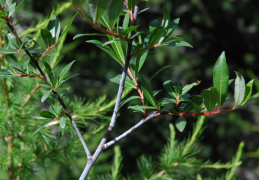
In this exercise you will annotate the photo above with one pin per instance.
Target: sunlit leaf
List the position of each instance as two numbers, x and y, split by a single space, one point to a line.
210 97
248 91
147 92
97 8
221 78
188 87
240 88
128 82
65 71
54 27
180 123
62 122
45 96
115 11
47 37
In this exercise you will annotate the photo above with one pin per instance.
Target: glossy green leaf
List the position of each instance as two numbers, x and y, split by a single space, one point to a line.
104 20
210 97
49 73
176 38
155 35
221 78
174 89
97 8
126 20
154 24
177 44
240 88
160 70
45 96
248 91
147 92
141 59
64 32
110 42
47 37
188 87
140 108
11 9
4 75
42 126
62 122
8 51
65 71
106 49
131 4
129 29
128 99
171 27
128 82
115 11
180 123
90 34
54 27
47 114
165 23
13 61
12 41
117 48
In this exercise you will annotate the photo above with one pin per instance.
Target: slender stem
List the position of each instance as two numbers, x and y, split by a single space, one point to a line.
151 116
114 116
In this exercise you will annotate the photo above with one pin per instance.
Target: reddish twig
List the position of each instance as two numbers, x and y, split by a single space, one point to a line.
47 50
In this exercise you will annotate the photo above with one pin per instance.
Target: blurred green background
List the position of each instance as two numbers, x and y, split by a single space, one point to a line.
224 25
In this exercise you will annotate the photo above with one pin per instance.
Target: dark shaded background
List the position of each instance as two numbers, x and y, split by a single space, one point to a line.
216 26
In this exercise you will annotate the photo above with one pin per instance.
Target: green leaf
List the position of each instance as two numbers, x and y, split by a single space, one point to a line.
90 34
97 8
49 73
47 37
45 96
61 82
128 99
160 70
11 9
248 91
115 11
106 49
67 28
129 29
47 114
147 92
54 27
180 123
174 89
188 87
176 38
131 4
128 82
126 19
165 23
105 20
117 48
177 44
210 97
171 27
240 88
140 59
140 108
42 126
5 75
154 24
155 35
8 51
12 41
221 78
13 61
62 122
65 71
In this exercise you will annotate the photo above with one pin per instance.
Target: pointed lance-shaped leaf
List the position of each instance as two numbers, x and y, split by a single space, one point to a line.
128 82
65 71
12 41
171 27
41 126
180 123
155 35
54 27
49 73
221 78
147 92
115 11
154 24
45 96
248 91
210 97
169 87
106 49
47 37
47 114
117 48
13 61
240 88
97 8
62 122
64 32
